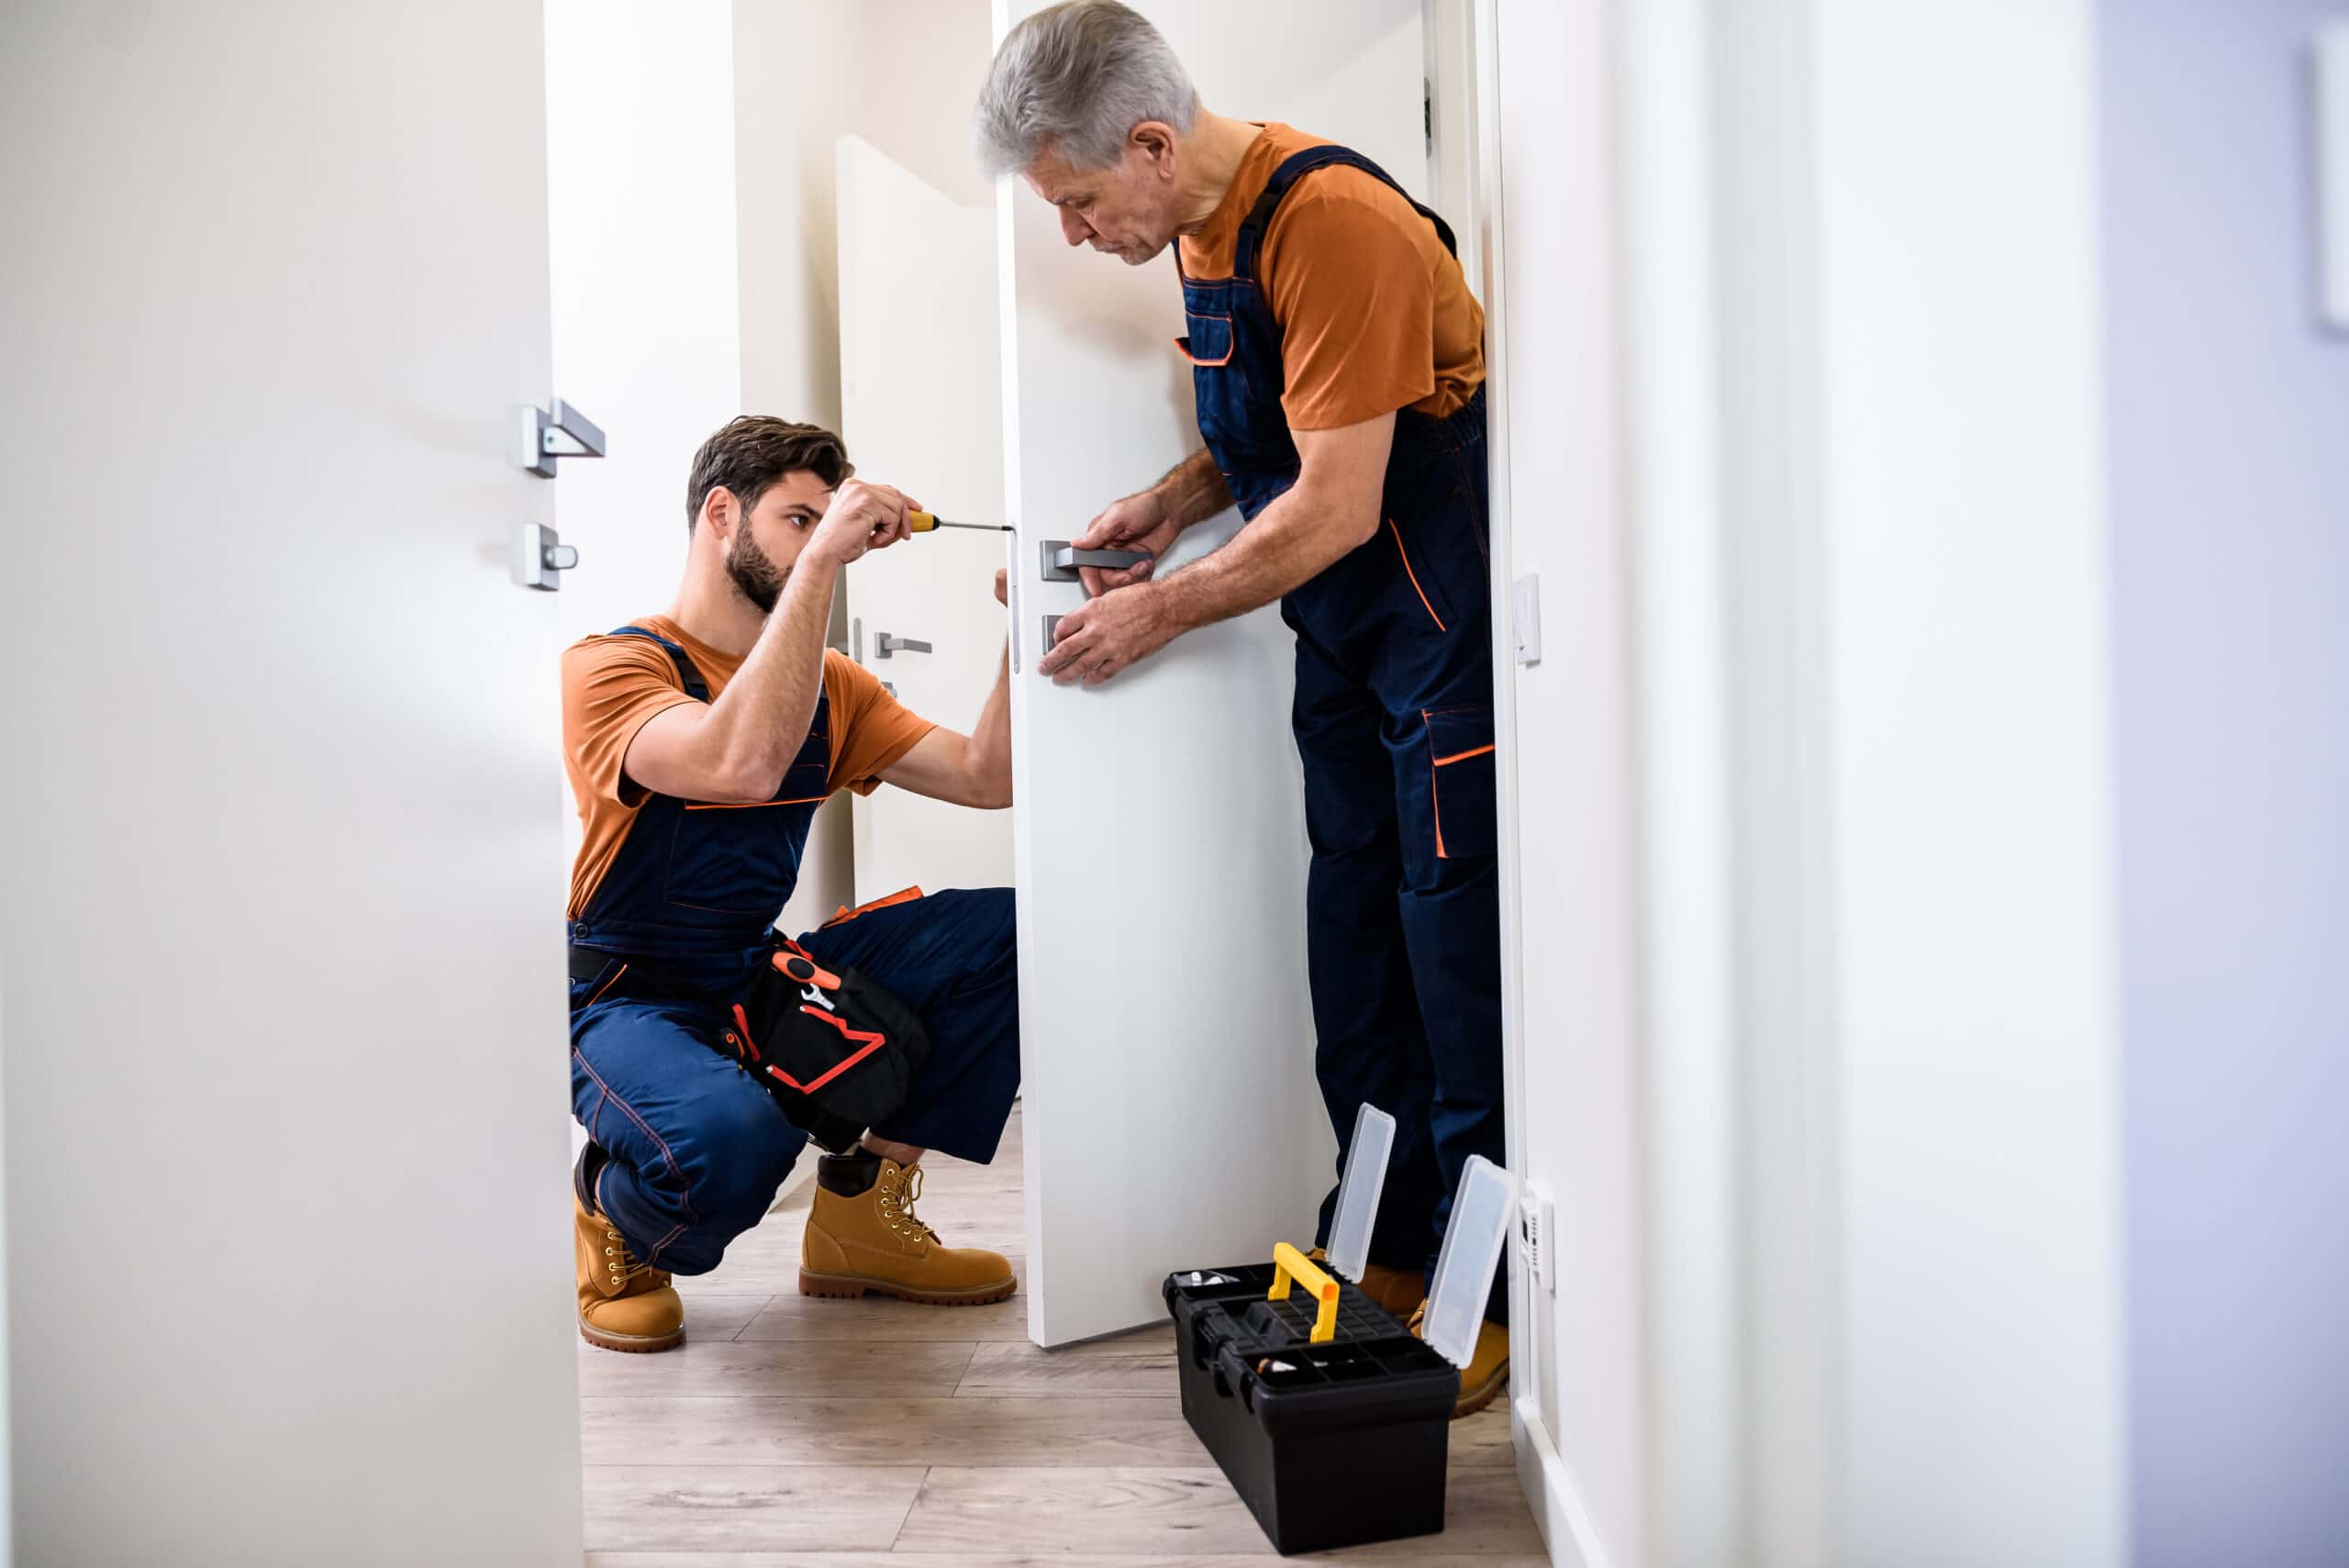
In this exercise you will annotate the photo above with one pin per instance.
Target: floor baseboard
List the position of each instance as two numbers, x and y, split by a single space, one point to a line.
1558 1510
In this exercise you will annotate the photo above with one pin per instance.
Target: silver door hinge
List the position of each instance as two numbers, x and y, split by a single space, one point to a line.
541 436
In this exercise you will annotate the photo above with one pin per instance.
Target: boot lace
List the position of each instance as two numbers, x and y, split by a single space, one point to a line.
898 1207
620 1267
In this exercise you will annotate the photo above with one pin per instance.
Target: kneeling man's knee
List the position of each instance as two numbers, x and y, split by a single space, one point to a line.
746 1147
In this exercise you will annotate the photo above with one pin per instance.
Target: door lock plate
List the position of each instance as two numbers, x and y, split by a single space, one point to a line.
539 557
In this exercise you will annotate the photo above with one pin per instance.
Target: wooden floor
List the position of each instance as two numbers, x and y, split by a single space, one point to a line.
792 1432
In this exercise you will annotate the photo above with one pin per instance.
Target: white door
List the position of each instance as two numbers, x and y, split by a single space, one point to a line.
279 818
1159 832
921 408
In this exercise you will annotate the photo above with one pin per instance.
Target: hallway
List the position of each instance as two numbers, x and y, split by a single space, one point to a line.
791 1432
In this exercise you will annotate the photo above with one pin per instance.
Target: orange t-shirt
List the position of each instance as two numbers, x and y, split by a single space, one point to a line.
611 685
1374 313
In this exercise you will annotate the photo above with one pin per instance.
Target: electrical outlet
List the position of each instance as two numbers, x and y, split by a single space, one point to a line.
1537 1220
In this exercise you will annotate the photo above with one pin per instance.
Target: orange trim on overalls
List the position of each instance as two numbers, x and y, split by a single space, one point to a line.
1435 796
903 896
1414 576
1231 342
1435 810
608 986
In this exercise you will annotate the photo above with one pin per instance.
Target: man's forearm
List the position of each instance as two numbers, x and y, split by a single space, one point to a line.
1194 489
1289 543
762 717
990 754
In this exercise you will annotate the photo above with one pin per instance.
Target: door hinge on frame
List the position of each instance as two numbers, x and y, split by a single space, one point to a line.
542 436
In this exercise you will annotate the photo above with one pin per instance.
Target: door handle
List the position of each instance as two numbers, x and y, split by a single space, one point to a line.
540 555
884 644
541 436
1060 560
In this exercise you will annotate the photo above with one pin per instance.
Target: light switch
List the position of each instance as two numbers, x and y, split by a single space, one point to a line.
1526 619
1537 1220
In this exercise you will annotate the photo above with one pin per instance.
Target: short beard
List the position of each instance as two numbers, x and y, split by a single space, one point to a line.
758 577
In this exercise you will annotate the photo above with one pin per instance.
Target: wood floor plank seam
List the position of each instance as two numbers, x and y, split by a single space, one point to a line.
910 1506
751 1318
913 1503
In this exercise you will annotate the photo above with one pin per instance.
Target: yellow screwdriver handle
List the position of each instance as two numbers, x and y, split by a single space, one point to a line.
1288 1263
920 522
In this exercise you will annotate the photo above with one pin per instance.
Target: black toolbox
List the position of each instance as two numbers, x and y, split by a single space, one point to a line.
1329 1444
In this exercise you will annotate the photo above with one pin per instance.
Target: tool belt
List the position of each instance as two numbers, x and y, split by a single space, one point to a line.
835 1049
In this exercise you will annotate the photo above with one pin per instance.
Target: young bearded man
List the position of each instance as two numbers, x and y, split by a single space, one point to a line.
699 742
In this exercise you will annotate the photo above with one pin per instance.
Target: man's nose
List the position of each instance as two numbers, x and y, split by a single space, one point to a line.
1074 229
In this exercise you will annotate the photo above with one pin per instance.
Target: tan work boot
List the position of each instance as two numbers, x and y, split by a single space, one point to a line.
1486 1371
623 1305
1397 1291
862 1234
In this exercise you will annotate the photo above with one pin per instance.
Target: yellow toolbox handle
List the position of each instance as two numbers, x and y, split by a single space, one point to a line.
1288 1263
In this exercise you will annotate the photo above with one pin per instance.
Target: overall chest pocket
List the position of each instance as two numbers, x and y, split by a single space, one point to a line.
743 860
1208 344
1236 381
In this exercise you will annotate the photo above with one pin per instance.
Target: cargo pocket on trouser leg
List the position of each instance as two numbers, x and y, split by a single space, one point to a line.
1462 783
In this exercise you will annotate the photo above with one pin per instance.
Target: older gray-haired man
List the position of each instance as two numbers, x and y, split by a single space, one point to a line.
1338 371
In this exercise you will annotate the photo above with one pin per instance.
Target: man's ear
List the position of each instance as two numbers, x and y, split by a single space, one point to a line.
1156 142
719 511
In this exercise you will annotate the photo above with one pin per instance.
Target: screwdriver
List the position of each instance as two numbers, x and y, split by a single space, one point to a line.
922 522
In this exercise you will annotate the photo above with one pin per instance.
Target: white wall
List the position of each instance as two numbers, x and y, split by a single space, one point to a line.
7 1458
1969 725
641 192
1818 1037
2230 635
640 195
1577 1368
902 74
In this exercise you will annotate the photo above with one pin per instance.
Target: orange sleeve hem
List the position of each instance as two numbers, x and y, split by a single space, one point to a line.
630 793
887 758
870 728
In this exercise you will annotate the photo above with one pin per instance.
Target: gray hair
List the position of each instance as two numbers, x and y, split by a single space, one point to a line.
1077 76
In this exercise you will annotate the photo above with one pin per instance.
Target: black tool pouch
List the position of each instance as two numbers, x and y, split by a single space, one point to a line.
837 1051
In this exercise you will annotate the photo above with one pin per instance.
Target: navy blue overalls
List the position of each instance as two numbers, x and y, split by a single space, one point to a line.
680 922
1394 724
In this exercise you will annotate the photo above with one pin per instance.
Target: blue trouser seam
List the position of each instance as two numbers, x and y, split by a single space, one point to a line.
684 1187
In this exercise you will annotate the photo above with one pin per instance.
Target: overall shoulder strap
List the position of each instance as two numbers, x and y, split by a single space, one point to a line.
696 687
1295 167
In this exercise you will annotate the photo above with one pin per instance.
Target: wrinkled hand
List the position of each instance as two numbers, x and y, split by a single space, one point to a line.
862 517
1104 636
1002 589
1137 522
